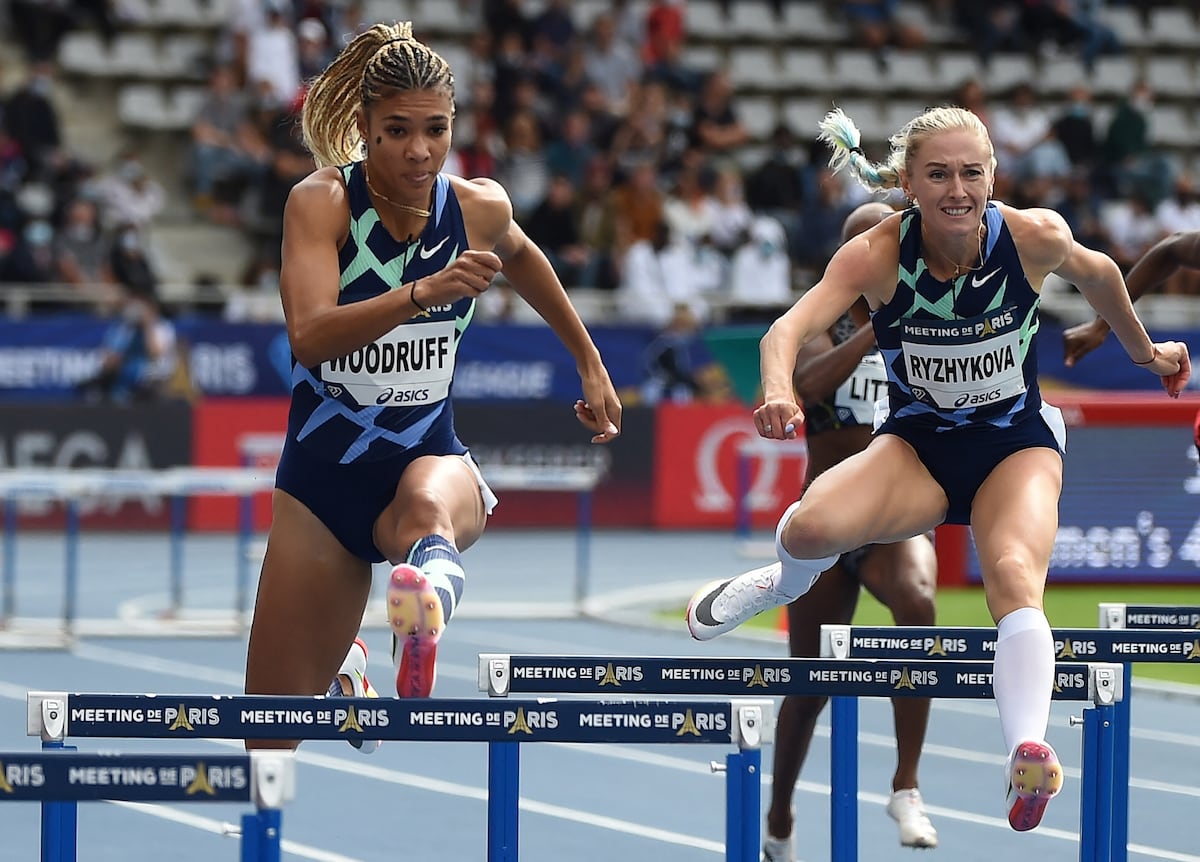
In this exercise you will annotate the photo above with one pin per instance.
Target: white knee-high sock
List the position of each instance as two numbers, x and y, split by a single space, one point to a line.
796 577
1023 675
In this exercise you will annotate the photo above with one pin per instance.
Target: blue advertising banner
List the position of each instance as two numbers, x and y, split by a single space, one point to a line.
44 358
1129 509
1108 367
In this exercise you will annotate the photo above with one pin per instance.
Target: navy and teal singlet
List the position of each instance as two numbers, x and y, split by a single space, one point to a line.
388 397
960 353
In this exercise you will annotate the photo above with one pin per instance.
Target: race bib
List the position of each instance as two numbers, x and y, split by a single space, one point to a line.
959 364
855 399
411 365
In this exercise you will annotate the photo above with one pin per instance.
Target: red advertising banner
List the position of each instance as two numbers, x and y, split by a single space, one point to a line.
710 463
221 428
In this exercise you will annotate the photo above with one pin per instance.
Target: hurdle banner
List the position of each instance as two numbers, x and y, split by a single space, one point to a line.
1116 615
500 675
844 681
60 777
747 723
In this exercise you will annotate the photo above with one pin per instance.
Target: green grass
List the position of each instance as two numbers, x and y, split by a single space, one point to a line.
1066 606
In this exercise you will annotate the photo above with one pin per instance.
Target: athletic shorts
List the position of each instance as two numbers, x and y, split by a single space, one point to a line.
960 460
349 498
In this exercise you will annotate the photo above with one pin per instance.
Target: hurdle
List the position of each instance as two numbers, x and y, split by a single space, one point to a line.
746 723
1126 617
1116 645
59 777
845 681
72 488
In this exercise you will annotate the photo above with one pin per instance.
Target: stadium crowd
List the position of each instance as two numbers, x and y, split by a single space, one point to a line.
631 166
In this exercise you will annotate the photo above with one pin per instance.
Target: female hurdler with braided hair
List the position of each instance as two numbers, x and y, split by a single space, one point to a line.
383 259
952 285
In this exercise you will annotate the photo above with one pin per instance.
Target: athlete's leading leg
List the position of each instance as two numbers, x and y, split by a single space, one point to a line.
437 512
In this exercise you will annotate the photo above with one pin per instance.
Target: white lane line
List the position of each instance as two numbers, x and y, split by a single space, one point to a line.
205 824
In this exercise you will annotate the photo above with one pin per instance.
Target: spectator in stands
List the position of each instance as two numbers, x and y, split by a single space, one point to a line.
570 152
664 31
273 56
1072 25
522 168
138 356
690 209
1130 164
1075 128
732 217
642 132
657 275
32 119
1018 126
715 124
554 26
760 273
553 227
609 64
596 215
504 17
39 26
776 186
313 51
289 162
1131 228
823 218
228 150
129 195
972 95
878 25
992 27
83 249
32 259
1180 212
639 202
130 263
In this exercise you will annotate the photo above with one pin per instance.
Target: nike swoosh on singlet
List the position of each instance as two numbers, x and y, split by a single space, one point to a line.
976 281
704 609
427 253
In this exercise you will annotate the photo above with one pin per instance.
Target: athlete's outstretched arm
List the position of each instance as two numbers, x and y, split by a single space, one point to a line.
534 279
1164 259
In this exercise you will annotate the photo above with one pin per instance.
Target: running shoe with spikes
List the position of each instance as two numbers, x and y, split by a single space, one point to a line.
720 606
907 808
415 615
352 682
1034 777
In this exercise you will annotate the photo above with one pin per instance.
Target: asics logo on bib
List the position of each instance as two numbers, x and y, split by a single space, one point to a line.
384 357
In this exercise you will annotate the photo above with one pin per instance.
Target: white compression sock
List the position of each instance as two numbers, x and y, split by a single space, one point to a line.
797 576
1023 675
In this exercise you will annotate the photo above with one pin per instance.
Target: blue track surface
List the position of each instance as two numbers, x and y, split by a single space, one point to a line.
653 803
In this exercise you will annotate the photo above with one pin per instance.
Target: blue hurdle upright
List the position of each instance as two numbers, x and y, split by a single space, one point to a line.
1143 618
747 723
843 680
1116 645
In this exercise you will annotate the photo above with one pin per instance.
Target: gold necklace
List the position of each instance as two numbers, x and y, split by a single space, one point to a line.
417 211
959 269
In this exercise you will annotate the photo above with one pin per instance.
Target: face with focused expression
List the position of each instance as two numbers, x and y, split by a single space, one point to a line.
408 137
950 177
